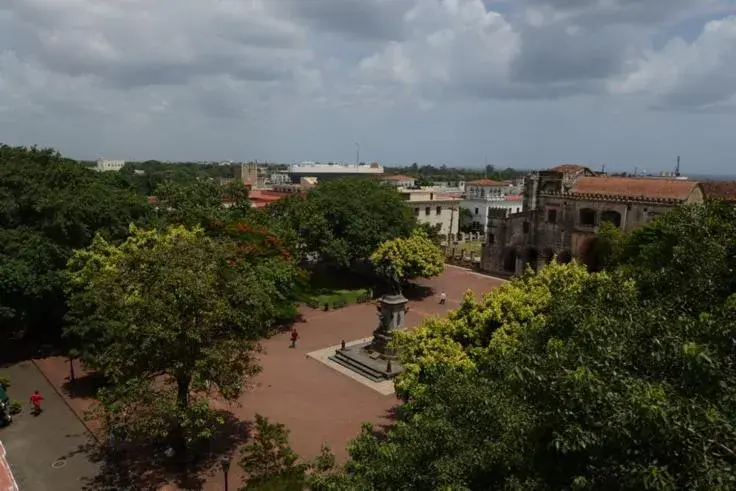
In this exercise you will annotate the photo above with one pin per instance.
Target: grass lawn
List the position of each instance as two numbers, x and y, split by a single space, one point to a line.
320 290
468 247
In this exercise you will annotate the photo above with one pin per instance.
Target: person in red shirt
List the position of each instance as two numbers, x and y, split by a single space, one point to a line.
294 337
36 399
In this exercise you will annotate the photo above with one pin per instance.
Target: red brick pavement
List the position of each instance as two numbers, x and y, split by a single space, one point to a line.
317 403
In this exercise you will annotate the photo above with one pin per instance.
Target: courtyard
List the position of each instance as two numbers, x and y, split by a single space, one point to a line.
317 403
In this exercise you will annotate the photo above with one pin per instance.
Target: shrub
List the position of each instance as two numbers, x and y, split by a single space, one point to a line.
4 381
15 407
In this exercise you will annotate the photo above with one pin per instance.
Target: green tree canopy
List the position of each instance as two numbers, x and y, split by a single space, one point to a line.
416 256
343 221
168 317
49 206
567 379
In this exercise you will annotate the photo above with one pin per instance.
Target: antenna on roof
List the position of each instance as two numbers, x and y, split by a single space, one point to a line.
677 168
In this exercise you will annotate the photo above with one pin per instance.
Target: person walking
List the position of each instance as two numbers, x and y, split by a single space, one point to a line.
36 399
443 297
294 337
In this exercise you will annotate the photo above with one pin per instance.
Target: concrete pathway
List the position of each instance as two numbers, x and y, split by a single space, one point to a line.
46 453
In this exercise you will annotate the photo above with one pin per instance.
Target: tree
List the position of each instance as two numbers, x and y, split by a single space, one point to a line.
169 317
49 206
401 259
200 203
563 379
344 220
271 465
686 258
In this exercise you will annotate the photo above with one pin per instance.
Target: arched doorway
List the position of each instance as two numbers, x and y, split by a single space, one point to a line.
509 260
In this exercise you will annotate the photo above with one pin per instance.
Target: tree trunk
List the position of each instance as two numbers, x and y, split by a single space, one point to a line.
182 402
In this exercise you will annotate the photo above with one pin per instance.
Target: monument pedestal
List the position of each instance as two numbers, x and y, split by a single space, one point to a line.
376 360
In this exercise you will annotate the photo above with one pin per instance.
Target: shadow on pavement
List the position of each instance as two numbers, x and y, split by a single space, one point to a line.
143 464
84 387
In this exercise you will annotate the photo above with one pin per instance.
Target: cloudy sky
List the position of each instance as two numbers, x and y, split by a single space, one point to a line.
522 83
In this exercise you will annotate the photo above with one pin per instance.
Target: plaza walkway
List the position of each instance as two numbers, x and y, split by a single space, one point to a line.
45 452
317 403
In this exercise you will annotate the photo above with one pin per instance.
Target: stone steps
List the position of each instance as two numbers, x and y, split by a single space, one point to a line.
344 359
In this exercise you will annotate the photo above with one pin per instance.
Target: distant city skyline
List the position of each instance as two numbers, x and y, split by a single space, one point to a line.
526 84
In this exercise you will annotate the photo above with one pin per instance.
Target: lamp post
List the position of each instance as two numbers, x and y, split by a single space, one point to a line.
225 463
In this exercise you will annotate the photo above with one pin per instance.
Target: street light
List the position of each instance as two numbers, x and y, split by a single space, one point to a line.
225 463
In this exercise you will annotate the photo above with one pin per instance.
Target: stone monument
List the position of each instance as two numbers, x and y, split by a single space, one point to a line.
376 359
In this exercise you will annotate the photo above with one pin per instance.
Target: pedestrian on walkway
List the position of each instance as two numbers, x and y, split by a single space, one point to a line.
36 399
294 337
443 297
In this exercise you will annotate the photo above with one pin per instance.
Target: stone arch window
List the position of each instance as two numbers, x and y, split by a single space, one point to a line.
611 216
587 217
509 260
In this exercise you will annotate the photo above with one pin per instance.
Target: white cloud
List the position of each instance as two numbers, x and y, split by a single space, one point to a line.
412 79
682 75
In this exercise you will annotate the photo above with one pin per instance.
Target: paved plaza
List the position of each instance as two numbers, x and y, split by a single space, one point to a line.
315 401
45 452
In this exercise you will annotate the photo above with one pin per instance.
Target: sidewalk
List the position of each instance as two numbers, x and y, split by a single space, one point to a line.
46 452
7 480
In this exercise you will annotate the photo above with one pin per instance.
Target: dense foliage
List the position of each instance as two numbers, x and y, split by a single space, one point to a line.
415 256
427 175
568 379
50 206
169 317
344 220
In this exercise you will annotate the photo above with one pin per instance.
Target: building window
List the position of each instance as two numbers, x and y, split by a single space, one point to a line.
426 211
416 211
587 217
611 216
476 211
439 210
552 216
491 239
526 227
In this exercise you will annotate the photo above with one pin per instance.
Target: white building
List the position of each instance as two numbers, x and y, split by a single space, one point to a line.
330 171
104 165
484 195
434 209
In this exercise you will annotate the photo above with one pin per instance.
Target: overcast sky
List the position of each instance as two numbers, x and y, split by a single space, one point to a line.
523 83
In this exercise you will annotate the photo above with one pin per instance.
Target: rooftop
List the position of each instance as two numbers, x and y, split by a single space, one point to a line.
485 182
634 187
725 190
569 168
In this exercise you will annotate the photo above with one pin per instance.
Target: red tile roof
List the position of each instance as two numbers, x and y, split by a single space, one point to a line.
725 190
569 168
634 187
485 182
